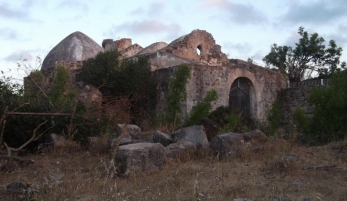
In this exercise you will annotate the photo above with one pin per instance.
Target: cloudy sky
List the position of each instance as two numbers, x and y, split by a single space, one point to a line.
244 28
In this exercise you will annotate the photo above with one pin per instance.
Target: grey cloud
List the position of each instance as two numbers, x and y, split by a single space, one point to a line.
7 12
27 54
293 38
317 12
156 7
237 13
75 5
145 27
8 34
339 36
246 14
139 10
153 9
241 48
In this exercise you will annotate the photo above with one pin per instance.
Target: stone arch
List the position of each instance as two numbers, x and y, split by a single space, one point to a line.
242 85
242 95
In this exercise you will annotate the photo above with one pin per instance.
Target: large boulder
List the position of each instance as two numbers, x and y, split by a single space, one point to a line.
195 134
140 158
179 149
128 130
212 128
118 140
228 144
162 138
255 137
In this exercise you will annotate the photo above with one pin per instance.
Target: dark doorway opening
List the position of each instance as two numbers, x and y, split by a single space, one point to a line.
241 95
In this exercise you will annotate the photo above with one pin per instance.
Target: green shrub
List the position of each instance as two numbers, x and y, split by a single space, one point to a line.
274 117
202 109
62 93
330 109
176 94
232 119
122 79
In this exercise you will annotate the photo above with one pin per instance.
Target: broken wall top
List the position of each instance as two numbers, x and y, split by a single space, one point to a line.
198 40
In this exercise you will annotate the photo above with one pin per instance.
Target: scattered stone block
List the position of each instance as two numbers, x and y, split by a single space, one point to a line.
255 137
195 134
228 144
120 140
162 138
128 130
140 158
179 149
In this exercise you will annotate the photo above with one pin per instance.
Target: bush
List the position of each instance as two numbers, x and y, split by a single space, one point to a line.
330 109
176 94
62 93
274 117
202 109
232 119
122 79
328 122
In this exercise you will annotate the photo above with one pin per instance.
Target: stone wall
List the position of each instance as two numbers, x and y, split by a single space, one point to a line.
267 84
297 96
160 60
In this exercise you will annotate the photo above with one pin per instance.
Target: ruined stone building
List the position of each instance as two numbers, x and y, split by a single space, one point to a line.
238 83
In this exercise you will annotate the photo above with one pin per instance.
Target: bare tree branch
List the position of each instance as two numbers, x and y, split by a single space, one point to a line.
33 137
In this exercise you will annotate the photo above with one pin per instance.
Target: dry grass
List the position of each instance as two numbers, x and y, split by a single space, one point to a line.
284 171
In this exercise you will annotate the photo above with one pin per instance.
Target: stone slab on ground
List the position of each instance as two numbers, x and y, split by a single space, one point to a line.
140 158
228 144
195 134
128 129
179 149
162 138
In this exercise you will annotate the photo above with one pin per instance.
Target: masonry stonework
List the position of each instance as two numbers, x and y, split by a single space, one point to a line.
210 69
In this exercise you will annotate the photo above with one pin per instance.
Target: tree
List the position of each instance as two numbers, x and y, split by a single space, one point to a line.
62 93
115 76
177 93
308 55
125 80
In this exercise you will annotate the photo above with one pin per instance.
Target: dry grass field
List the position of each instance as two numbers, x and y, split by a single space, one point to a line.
283 171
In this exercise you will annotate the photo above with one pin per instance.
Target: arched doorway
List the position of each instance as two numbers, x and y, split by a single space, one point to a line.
242 95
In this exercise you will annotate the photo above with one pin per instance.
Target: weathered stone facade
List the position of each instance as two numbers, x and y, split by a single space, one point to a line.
296 96
210 69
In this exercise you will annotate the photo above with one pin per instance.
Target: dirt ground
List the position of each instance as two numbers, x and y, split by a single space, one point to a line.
283 171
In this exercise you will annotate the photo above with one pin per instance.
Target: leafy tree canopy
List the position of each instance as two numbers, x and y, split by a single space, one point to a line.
115 76
309 54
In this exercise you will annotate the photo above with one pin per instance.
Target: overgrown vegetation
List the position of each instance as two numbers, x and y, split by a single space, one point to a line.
201 109
232 119
274 117
126 80
176 94
328 122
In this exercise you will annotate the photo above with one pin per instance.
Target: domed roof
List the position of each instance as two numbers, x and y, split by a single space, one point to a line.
75 47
